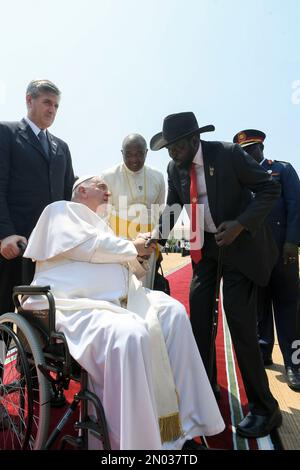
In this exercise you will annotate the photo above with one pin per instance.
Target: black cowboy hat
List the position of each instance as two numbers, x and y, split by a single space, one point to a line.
176 127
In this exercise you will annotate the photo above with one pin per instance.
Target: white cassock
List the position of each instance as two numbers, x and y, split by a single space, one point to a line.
135 200
86 267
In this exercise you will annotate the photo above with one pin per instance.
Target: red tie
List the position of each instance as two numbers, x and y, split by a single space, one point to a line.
196 255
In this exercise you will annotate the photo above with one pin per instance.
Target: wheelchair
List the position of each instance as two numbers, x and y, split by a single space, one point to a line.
34 359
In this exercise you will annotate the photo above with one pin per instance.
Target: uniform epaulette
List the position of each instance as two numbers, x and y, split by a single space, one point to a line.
270 162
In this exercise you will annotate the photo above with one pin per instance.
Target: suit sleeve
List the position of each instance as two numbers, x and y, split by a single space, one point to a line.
6 225
291 196
69 176
266 190
172 210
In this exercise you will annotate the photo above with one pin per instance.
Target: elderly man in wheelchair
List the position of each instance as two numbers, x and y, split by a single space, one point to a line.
143 384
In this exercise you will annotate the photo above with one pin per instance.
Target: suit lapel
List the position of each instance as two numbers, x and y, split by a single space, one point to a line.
210 170
27 133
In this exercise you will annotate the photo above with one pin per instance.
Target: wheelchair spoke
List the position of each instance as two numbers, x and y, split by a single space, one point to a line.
22 387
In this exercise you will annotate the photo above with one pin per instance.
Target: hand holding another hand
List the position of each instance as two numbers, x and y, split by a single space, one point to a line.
142 249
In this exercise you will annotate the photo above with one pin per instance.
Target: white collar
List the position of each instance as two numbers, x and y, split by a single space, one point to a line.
134 173
34 127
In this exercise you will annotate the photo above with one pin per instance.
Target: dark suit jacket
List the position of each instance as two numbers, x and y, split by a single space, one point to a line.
231 177
28 180
284 219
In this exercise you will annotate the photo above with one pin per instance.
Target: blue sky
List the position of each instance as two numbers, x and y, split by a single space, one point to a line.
123 65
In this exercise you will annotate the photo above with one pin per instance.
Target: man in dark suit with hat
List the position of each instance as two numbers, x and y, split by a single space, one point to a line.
281 295
35 170
222 177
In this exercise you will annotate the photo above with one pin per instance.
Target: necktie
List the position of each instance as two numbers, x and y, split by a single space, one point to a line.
196 254
44 142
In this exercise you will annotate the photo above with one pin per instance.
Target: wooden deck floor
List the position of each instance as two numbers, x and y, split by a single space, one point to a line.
289 401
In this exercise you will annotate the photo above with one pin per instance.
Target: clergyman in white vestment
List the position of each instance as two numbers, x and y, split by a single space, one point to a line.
136 345
138 195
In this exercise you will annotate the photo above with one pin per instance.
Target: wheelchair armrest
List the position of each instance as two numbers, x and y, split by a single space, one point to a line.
31 290
37 290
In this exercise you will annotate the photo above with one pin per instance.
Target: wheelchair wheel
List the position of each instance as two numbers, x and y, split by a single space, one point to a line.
24 390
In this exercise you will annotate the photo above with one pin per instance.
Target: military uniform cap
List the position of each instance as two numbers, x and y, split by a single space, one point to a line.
249 137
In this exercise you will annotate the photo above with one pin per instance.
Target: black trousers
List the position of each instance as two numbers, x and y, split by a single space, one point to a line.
240 305
281 299
15 272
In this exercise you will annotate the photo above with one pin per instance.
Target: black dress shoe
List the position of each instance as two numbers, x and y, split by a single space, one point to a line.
293 378
258 425
193 445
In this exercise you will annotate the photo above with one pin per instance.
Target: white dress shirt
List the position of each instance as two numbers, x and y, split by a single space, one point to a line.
35 128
